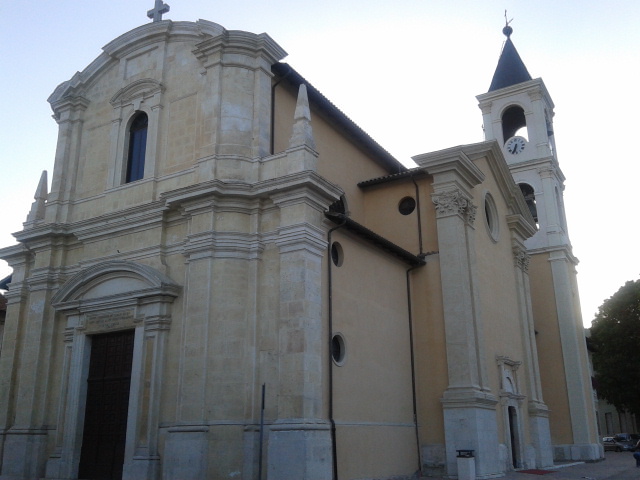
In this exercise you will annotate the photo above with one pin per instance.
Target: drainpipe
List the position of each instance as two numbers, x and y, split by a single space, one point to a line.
273 108
334 449
410 317
413 368
418 212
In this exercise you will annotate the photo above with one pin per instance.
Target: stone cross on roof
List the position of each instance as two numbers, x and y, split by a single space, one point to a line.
156 12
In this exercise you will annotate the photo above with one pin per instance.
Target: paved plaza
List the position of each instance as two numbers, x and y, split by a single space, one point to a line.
616 466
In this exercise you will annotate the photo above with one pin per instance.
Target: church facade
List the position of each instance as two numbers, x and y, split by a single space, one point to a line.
228 278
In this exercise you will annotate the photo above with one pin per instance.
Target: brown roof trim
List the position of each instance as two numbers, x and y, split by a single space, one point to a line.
414 172
375 239
368 144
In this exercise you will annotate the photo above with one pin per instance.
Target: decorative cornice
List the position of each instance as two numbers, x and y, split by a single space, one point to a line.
301 237
538 409
524 87
69 108
287 188
521 228
548 171
468 398
452 165
557 253
504 360
507 397
243 45
223 245
44 279
156 323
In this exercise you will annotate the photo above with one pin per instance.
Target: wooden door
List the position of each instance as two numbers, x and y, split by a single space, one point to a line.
105 421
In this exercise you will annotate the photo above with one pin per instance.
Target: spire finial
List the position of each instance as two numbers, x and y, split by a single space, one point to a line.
37 207
302 132
507 30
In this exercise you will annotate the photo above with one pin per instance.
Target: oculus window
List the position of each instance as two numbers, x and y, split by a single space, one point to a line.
491 217
337 255
338 349
137 147
407 205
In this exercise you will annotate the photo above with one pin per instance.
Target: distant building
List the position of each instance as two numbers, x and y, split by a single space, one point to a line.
216 225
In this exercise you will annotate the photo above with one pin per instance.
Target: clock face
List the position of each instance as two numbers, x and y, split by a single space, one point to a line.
515 145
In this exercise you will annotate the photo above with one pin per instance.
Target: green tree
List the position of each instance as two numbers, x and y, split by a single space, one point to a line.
615 341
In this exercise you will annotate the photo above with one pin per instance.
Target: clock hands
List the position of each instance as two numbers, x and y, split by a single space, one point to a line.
515 146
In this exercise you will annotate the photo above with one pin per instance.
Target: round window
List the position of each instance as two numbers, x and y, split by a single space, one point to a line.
407 205
337 255
491 217
338 351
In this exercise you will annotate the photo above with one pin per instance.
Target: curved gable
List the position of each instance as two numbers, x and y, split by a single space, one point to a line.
136 39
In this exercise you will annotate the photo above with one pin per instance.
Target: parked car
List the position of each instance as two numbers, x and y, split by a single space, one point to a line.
612 444
626 439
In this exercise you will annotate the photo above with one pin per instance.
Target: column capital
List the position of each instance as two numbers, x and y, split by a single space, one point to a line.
454 202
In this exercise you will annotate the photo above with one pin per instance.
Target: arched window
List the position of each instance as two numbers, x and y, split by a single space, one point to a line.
514 122
137 147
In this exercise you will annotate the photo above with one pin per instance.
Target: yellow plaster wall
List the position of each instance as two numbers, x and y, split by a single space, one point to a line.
549 348
430 349
372 389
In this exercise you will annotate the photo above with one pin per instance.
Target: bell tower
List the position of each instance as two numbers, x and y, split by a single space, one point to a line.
518 113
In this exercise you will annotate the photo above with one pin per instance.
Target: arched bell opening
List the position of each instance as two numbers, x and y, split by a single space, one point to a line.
514 123
530 198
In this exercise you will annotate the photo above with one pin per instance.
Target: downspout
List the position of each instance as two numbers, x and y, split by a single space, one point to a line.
418 212
413 368
334 449
273 109
410 317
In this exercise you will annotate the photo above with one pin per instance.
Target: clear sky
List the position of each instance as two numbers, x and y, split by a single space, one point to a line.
406 71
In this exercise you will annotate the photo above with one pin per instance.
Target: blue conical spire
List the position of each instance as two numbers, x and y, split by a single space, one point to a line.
511 69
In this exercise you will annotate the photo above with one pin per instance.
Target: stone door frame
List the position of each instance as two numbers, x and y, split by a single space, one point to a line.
105 298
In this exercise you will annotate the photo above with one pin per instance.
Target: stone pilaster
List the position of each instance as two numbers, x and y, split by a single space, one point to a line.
575 362
300 438
69 113
469 408
11 442
24 450
538 412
